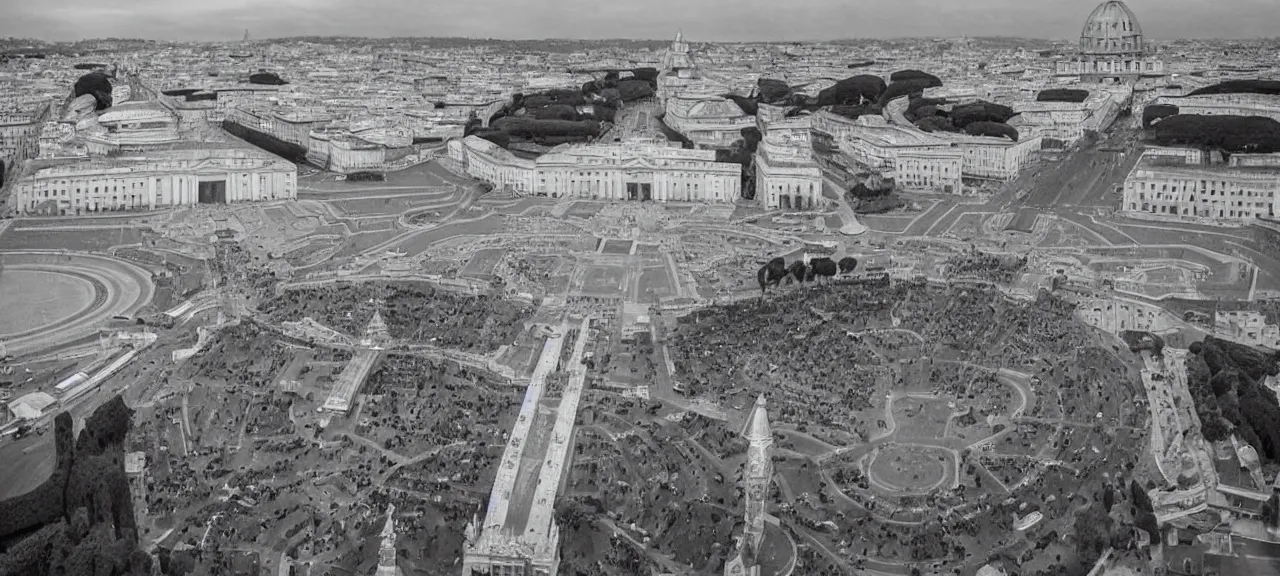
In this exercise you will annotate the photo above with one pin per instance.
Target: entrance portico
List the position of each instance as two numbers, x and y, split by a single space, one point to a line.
639 185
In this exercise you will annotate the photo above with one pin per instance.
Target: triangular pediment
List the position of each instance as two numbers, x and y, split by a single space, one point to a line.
639 162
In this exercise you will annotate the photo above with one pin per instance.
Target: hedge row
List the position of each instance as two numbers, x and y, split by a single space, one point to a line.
1228 133
992 129
1062 95
911 74
1155 112
528 127
915 86
1240 87
852 91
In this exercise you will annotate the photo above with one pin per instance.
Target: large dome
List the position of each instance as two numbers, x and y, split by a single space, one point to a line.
1112 28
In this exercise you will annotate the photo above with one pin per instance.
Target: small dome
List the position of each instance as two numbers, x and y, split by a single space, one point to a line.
1111 28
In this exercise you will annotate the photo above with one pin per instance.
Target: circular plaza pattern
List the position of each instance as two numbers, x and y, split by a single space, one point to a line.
908 469
52 298
36 298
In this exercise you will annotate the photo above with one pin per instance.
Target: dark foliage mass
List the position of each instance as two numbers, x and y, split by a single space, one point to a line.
88 66
97 84
853 91
772 273
1146 518
80 521
992 129
853 112
742 153
798 271
566 115
920 107
1228 133
911 74
555 112
923 112
771 91
1062 95
861 191
1253 86
1156 112
266 78
603 113
874 196
823 267
907 88
632 90
502 139
980 111
880 205
552 97
674 135
287 150
1139 341
1226 381
936 124
848 264
646 74
531 128
747 105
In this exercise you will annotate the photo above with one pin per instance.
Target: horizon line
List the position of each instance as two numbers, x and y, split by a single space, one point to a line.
612 39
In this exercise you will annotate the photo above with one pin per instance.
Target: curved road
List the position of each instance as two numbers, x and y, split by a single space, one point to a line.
124 288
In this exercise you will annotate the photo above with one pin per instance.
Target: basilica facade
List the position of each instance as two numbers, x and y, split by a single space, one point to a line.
787 177
633 170
203 173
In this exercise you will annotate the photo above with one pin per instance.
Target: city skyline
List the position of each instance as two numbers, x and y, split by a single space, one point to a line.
705 20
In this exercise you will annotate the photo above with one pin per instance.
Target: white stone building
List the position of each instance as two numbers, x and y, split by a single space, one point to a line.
194 173
19 136
632 170
1069 121
915 159
233 97
133 126
787 177
1247 327
992 158
707 120
1169 187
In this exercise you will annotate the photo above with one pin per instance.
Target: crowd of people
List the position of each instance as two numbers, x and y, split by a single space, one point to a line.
808 352
413 311
998 268
414 403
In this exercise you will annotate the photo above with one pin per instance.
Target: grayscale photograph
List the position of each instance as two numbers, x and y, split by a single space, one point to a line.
643 288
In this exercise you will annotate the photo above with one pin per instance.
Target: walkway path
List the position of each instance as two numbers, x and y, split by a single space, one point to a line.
851 225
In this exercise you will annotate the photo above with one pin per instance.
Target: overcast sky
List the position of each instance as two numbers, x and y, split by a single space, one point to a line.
709 20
